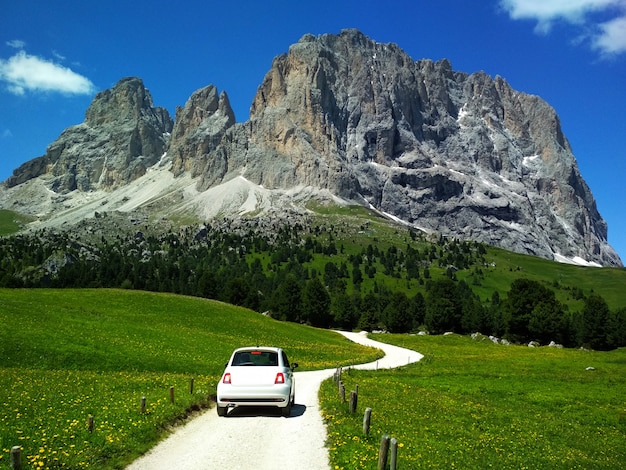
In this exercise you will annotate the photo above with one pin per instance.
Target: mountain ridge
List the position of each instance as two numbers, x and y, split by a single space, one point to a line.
459 154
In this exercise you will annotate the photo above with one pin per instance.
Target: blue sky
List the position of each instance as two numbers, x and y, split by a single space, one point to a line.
54 57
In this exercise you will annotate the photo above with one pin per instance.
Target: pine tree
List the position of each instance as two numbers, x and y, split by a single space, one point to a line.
595 320
443 307
316 304
288 305
397 314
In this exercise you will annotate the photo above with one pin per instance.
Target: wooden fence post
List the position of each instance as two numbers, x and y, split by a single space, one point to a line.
337 375
16 458
191 386
172 394
382 454
342 392
354 398
143 405
367 419
90 423
394 454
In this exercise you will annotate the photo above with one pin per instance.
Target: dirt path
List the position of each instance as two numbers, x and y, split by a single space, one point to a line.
258 438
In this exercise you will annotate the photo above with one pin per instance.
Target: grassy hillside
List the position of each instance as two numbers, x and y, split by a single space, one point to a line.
362 270
474 405
351 230
67 354
562 278
11 222
355 227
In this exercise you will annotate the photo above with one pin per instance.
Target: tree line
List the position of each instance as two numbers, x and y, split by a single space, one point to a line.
283 275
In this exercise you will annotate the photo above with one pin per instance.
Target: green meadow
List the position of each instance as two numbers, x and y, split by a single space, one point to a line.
474 405
69 354
11 222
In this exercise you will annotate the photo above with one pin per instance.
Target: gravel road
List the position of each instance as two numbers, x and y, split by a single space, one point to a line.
258 438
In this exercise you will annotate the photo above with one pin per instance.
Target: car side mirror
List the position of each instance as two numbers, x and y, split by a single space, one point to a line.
294 365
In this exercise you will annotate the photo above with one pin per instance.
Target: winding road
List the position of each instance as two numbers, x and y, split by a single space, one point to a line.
261 439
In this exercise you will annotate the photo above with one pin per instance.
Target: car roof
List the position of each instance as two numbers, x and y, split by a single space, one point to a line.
258 348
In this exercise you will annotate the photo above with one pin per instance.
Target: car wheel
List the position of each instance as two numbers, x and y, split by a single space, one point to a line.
287 410
222 410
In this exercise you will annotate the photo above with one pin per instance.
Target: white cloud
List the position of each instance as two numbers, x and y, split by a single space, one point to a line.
550 10
612 39
58 56
16 44
6 133
609 38
24 72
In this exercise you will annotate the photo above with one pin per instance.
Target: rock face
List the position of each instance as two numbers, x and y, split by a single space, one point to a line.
199 129
123 134
463 155
460 154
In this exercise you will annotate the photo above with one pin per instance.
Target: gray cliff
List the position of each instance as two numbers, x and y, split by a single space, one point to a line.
123 134
198 130
463 155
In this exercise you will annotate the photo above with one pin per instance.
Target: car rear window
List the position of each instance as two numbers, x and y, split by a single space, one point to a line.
255 358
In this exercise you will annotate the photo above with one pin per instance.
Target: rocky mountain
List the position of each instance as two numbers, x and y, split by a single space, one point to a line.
122 136
459 154
198 131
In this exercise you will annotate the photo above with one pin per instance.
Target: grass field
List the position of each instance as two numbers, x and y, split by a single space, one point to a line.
69 354
353 228
66 355
356 227
560 277
11 222
477 405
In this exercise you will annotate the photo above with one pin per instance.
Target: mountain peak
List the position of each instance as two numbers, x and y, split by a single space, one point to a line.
126 101
459 154
123 134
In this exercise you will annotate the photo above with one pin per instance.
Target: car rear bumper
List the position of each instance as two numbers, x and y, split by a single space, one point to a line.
279 402
240 396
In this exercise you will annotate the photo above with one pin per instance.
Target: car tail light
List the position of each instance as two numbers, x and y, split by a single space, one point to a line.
226 379
280 378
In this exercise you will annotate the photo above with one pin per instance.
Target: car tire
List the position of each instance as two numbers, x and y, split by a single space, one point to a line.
222 410
287 410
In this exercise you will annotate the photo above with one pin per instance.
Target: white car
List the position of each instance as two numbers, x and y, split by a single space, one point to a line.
257 376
